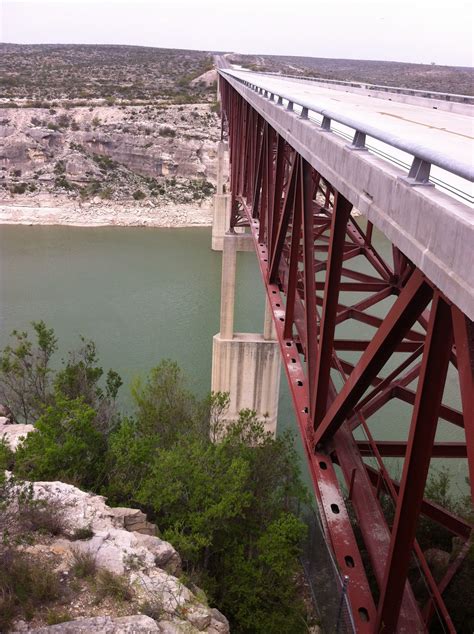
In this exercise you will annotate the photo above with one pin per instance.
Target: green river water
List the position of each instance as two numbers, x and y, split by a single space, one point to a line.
144 294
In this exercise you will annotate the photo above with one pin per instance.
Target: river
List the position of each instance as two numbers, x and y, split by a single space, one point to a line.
146 294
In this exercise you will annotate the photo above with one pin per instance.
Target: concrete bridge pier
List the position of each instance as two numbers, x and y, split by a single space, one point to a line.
247 365
221 217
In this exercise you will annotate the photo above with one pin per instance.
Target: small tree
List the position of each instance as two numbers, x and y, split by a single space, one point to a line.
25 372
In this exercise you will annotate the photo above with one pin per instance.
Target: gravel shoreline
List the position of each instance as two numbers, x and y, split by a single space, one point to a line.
104 215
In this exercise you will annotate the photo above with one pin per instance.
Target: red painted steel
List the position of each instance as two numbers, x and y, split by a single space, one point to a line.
310 250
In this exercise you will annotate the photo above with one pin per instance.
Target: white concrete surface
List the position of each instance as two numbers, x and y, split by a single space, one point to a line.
247 366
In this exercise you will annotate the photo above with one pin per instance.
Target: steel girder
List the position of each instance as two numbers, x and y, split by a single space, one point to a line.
309 248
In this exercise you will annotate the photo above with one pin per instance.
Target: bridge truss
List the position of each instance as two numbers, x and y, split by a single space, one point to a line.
310 248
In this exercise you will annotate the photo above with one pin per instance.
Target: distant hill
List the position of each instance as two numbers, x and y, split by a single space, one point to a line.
73 71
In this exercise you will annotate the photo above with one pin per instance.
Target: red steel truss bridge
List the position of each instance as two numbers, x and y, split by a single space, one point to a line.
299 169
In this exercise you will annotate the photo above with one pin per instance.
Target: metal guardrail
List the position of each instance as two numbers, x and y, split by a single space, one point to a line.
328 588
424 156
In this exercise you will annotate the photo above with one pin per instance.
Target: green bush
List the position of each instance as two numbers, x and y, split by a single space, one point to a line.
228 507
66 446
139 195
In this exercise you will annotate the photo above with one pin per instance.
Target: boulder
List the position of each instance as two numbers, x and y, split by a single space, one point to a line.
13 434
101 625
438 562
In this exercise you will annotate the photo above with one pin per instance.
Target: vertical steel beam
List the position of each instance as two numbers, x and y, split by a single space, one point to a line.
415 468
306 188
464 340
340 215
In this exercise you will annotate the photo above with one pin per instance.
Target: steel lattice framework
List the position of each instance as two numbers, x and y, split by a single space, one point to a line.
308 245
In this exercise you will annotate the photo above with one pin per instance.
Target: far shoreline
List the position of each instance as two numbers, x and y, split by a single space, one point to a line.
170 216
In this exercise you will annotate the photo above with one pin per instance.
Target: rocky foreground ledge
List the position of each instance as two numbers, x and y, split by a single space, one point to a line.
120 541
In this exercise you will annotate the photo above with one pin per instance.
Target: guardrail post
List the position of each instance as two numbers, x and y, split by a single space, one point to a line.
326 123
358 142
419 173
304 113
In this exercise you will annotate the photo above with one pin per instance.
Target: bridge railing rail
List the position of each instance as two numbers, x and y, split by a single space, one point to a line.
328 588
423 157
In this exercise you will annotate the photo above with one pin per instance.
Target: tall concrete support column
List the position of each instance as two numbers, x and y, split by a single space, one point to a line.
221 217
246 365
229 269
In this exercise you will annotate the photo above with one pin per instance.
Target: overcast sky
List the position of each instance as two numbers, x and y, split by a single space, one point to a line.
401 30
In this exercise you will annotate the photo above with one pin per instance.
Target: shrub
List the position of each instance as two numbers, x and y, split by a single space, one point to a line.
104 162
60 168
153 608
84 564
25 372
82 533
63 121
139 195
63 183
54 617
166 131
66 446
46 516
25 585
109 584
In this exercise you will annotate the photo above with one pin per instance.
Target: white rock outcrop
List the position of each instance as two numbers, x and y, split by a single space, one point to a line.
149 562
13 434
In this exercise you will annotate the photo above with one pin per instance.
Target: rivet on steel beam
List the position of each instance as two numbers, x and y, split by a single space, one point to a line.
326 123
290 106
304 113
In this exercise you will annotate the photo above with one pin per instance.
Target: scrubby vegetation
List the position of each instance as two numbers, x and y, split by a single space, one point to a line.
44 73
230 507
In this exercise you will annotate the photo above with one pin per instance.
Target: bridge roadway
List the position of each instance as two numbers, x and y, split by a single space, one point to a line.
433 229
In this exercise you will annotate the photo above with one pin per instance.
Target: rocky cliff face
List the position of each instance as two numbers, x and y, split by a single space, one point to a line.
119 156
